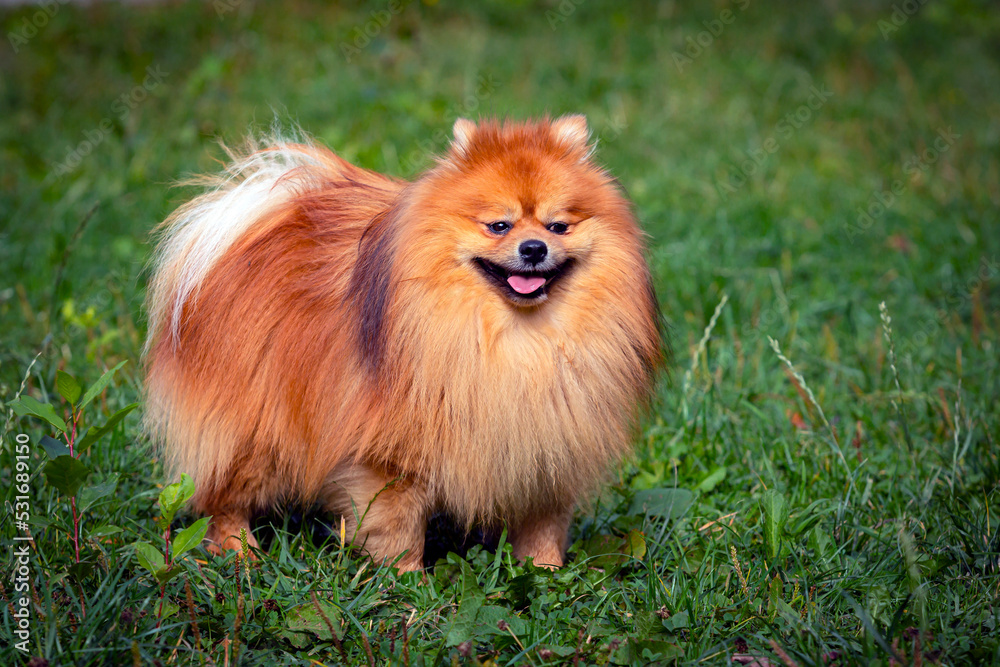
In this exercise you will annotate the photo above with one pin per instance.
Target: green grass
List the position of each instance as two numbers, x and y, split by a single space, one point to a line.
864 522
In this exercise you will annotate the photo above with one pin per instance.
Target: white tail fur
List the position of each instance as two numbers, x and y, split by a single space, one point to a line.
200 232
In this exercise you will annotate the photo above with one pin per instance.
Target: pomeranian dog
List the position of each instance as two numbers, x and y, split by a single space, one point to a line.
479 342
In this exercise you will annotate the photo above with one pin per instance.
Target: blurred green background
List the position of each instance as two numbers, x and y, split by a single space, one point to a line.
807 161
109 105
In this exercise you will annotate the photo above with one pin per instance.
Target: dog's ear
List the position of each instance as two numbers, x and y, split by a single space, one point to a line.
463 131
572 130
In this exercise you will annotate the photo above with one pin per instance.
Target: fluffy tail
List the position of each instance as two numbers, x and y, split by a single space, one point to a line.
196 235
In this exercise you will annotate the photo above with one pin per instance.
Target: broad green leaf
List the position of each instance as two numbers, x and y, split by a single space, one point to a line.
173 497
97 493
26 405
677 621
165 574
646 623
601 545
306 618
94 433
57 578
641 651
190 537
613 551
464 624
95 389
635 545
657 652
66 474
561 651
774 595
168 609
820 542
104 531
39 522
149 557
68 387
666 503
713 479
775 509
54 448
488 621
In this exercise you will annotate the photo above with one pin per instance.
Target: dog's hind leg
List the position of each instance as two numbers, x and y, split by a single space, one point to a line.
224 532
542 537
231 500
384 516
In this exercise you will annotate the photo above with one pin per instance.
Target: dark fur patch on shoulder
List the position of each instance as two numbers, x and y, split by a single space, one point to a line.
372 287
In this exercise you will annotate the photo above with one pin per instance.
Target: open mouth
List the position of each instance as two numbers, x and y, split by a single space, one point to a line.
521 285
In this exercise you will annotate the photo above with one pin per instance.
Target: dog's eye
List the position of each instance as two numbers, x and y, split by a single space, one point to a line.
558 227
500 227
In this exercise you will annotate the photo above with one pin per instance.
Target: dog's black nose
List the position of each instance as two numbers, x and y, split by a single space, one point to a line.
533 251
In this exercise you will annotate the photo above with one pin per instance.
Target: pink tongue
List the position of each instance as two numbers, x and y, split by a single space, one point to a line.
525 284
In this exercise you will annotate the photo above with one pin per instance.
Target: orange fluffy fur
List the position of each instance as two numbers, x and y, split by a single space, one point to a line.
323 333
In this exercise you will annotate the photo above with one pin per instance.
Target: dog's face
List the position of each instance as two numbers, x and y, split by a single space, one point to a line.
523 208
524 250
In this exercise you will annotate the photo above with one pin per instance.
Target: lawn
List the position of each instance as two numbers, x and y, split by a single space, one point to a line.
818 480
